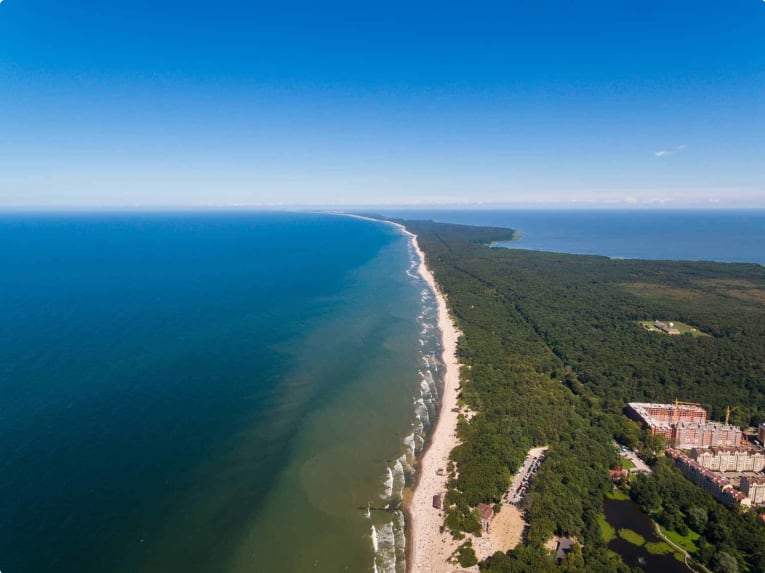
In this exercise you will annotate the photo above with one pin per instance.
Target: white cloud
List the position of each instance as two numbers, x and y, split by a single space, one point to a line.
665 152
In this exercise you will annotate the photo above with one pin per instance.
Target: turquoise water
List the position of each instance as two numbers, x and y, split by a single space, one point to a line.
209 392
715 235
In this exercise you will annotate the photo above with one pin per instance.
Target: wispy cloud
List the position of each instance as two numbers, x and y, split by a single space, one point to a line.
665 152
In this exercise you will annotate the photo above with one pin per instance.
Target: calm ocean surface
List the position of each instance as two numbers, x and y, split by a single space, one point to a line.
722 235
209 392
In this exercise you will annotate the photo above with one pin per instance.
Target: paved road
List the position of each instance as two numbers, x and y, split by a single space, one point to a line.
686 555
640 465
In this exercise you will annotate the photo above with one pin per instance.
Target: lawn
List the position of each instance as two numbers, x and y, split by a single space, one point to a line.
658 548
617 495
607 532
681 326
632 537
687 542
626 464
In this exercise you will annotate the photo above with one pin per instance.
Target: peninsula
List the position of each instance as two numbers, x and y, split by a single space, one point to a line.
550 356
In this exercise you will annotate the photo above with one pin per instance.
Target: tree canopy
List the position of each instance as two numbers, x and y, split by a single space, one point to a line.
552 352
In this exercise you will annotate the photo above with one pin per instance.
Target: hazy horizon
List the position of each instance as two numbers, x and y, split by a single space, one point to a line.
341 208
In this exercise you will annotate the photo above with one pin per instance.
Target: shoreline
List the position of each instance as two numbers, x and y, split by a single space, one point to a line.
427 548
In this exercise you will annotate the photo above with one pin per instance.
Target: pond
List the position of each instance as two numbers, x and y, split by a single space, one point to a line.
626 515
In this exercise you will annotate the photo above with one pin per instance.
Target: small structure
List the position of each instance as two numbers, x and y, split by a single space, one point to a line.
564 548
666 329
617 474
487 513
437 501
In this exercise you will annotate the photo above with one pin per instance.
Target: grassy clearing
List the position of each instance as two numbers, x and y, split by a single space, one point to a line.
617 495
681 326
687 542
658 548
632 537
607 532
626 464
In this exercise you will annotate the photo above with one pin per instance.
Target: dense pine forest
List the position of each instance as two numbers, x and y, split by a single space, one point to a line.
553 349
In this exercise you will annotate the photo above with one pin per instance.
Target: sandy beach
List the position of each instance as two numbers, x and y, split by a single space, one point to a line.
429 548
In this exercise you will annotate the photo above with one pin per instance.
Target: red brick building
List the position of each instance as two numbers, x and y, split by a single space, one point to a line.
684 426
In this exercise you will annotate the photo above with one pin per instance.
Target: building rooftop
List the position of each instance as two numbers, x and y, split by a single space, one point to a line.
486 511
564 546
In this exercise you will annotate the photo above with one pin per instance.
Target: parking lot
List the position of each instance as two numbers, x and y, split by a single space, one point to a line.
522 479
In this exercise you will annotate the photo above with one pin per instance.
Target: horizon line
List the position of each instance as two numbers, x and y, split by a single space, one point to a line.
567 206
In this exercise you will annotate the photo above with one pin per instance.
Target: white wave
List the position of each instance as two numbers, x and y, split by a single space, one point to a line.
399 479
418 426
389 530
399 531
423 414
375 545
419 443
405 463
409 444
388 483
385 554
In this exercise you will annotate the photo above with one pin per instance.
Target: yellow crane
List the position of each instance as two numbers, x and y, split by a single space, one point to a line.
728 412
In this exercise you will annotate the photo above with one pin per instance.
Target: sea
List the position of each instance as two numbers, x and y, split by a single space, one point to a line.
242 391
196 392
724 235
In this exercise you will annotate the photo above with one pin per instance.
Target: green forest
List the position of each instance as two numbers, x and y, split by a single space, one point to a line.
552 350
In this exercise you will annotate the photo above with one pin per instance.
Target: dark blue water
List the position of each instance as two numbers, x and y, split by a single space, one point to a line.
627 515
200 392
723 235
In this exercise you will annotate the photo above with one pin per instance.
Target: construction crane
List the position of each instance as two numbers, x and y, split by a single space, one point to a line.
728 412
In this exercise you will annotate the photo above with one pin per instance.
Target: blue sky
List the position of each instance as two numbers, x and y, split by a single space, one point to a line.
612 103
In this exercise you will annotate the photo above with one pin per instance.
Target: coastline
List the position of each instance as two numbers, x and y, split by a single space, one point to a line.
428 549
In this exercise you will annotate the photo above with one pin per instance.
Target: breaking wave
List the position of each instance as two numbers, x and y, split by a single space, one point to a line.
388 530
